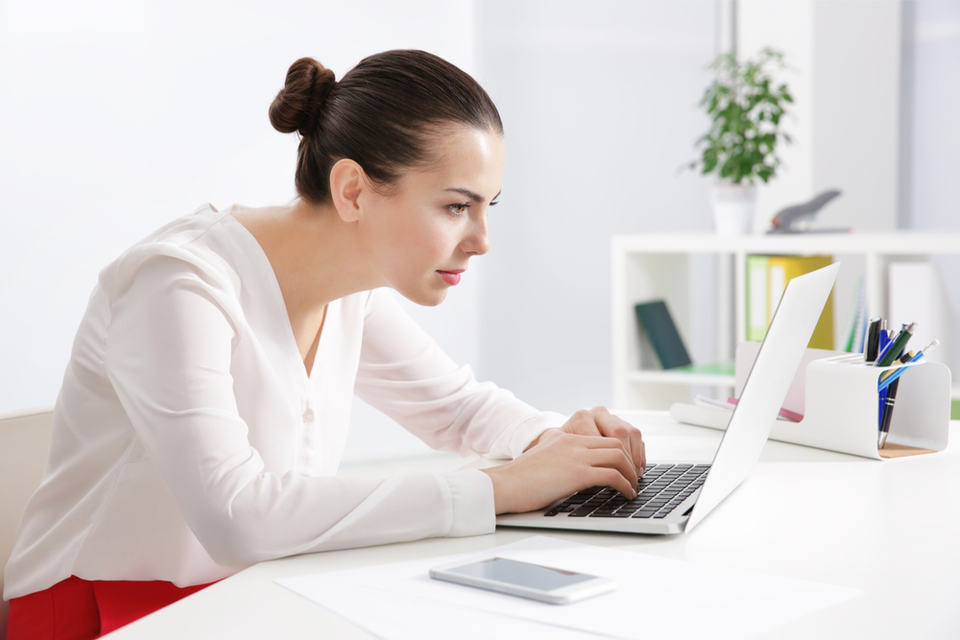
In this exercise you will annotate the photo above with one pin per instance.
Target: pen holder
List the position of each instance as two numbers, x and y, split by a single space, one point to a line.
837 396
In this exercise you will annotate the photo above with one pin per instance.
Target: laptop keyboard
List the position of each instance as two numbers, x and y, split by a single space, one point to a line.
661 489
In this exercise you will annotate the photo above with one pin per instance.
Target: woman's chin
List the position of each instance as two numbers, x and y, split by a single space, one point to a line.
430 298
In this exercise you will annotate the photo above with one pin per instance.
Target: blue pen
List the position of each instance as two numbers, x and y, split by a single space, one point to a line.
885 382
882 340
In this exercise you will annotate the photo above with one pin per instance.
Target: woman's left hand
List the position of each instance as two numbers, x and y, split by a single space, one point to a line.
600 422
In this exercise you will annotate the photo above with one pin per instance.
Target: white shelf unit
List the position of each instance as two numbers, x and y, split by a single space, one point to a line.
661 266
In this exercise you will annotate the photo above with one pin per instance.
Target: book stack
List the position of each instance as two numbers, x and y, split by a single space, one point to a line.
767 277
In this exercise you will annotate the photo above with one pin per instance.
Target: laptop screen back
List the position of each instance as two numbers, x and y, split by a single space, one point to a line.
766 387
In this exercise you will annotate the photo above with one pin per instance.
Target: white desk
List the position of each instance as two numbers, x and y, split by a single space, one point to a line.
890 528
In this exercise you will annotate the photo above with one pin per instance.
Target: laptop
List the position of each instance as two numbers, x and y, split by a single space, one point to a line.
675 497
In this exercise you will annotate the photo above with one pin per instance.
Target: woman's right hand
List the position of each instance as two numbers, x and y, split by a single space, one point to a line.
558 466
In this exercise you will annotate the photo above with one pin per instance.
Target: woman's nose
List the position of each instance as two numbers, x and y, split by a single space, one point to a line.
478 241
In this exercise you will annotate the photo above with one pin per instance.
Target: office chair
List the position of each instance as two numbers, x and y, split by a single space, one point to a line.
24 440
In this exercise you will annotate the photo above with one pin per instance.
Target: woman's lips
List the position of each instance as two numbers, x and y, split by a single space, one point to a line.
450 277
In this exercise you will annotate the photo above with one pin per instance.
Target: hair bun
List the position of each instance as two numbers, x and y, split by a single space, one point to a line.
299 104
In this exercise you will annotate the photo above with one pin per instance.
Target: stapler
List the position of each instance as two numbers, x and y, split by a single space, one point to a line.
798 218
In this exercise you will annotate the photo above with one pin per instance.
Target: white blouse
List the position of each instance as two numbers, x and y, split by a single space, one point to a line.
189 442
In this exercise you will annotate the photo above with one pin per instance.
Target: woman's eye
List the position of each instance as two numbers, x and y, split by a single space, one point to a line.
459 209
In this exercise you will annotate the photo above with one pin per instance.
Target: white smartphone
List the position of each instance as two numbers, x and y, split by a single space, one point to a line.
534 581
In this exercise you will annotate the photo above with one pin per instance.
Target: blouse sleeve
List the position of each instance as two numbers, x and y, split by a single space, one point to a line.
405 374
168 350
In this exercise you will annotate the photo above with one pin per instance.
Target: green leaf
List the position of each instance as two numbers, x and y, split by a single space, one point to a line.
746 108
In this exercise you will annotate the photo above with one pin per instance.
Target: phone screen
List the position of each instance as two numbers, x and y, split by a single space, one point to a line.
529 575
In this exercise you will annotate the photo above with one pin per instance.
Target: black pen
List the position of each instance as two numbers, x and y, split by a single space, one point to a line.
873 339
888 411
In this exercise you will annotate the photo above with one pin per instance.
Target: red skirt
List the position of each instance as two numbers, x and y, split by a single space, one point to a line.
76 609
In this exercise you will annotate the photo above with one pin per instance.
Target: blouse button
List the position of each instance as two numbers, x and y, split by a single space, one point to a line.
308 415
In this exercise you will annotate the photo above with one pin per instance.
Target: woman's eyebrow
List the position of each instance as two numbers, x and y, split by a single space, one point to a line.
470 194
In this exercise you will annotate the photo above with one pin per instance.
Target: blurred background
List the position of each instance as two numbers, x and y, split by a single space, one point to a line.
120 115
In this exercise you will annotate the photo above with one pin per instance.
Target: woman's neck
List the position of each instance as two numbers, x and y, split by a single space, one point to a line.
314 254
315 257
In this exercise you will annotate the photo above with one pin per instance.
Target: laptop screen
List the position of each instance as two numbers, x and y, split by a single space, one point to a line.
766 387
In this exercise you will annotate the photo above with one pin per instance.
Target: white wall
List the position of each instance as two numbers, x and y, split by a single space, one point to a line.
931 136
599 104
933 130
787 26
856 114
845 78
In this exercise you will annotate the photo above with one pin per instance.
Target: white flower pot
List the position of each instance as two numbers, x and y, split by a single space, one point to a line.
733 208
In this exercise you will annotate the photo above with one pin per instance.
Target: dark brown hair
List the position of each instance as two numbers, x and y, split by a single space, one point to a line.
381 114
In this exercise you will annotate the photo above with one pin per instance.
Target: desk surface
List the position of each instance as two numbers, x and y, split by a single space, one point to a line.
891 528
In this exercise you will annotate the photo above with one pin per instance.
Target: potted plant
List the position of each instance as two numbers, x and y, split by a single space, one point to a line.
746 107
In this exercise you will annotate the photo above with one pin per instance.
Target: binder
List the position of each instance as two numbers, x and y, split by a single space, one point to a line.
758 308
767 277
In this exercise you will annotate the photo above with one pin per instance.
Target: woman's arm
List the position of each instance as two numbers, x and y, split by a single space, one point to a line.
405 374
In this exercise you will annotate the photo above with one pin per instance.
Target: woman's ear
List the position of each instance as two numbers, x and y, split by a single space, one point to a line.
347 182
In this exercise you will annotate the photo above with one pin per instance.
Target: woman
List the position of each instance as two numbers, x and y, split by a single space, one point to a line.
205 406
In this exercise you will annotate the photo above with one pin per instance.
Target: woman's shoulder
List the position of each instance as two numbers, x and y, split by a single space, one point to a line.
203 242
196 228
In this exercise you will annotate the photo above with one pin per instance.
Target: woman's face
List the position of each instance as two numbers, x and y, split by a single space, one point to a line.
421 236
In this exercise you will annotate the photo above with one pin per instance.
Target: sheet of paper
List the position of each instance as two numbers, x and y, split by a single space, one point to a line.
655 596
400 617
